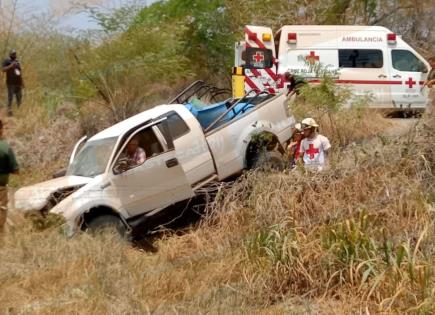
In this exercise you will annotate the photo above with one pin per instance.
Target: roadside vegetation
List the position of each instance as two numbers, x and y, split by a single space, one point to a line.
356 238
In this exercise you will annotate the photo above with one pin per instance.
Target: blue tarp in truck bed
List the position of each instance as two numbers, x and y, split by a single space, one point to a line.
207 114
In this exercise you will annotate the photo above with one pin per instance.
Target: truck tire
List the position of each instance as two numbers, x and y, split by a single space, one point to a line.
269 161
107 222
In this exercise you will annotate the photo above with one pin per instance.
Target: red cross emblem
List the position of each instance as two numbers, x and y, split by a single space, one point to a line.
312 58
312 151
410 82
258 57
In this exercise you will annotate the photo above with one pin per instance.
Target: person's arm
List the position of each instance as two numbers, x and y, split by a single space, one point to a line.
142 157
430 80
326 146
13 164
8 65
301 152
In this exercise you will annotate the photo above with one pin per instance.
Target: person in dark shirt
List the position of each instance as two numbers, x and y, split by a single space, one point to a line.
14 79
8 165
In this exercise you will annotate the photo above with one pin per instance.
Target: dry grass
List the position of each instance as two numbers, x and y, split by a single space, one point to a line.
357 238
42 140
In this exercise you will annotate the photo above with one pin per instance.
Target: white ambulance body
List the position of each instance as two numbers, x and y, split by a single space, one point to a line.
371 60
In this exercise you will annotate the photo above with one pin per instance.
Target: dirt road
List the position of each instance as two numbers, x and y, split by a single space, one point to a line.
400 126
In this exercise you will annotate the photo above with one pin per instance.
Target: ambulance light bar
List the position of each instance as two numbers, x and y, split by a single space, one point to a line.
267 37
292 38
391 38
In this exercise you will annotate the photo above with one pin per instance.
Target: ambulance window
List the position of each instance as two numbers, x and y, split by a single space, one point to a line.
404 60
360 58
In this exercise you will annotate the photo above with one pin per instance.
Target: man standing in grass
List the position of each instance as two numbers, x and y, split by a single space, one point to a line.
8 165
14 80
314 147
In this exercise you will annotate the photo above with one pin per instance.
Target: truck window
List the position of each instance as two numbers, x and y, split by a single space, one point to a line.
177 126
360 58
404 60
93 158
142 146
164 130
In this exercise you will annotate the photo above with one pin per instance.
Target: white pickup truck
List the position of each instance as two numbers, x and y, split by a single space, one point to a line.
186 146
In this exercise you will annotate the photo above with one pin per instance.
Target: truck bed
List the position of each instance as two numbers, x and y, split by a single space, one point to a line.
207 114
228 139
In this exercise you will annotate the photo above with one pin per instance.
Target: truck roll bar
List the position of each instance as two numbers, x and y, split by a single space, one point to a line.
200 89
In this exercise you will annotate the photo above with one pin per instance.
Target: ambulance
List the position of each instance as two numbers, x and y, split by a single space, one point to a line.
370 60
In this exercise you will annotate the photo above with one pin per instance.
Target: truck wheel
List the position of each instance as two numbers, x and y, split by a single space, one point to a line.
107 223
269 160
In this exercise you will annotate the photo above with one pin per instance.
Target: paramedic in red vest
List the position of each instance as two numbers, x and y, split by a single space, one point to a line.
14 80
314 146
430 83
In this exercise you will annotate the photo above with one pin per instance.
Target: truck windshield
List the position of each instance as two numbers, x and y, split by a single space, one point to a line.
93 158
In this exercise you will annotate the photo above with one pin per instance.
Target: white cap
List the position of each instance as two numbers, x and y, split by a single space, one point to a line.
309 122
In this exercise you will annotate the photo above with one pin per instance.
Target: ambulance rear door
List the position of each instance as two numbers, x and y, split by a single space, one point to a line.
260 60
409 71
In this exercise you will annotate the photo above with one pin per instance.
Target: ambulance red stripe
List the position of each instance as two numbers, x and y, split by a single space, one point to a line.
363 82
251 84
271 73
254 37
255 72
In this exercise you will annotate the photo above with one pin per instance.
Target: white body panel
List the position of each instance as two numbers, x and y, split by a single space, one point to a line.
387 86
228 143
149 186
192 150
35 197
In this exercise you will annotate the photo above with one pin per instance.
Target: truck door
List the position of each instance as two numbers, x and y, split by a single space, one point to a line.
144 184
410 73
366 72
191 147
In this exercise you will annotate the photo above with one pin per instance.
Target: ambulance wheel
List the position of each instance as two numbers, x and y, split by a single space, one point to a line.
269 161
